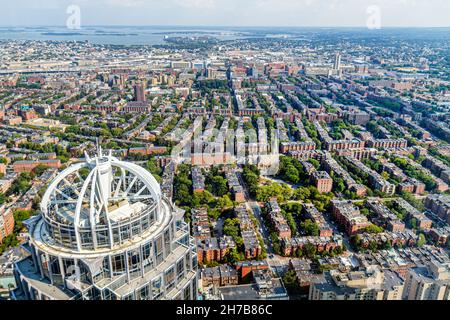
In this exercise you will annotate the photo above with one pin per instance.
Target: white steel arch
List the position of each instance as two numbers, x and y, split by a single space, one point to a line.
84 203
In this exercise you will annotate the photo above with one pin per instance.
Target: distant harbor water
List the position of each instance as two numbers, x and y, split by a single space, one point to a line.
112 35
154 35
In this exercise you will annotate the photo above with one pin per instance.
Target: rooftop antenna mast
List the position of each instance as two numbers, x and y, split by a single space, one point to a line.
99 147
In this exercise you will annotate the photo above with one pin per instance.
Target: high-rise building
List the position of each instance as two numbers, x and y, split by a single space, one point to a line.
254 72
337 61
139 91
428 283
106 232
369 284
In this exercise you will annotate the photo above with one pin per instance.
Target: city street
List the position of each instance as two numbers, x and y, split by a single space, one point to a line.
278 263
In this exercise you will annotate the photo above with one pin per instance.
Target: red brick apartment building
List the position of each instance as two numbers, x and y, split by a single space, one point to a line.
349 217
6 223
214 249
147 150
245 268
322 181
297 146
29 165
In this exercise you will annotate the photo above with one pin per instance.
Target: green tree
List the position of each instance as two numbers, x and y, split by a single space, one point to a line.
231 228
224 202
315 163
373 246
153 168
339 186
250 175
302 194
310 250
117 132
281 191
204 198
291 283
2 198
233 257
310 228
374 229
19 217
422 240
413 223
219 186
292 174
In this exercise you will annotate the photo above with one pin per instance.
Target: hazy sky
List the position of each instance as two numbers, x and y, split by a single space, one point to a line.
415 13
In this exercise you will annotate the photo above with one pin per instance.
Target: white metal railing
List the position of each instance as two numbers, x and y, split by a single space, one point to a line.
119 282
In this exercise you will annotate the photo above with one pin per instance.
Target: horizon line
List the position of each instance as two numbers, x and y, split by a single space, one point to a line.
228 26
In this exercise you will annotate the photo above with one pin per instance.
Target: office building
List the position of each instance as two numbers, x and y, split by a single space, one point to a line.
369 284
430 282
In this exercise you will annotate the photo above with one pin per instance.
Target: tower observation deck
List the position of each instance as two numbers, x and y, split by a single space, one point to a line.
105 232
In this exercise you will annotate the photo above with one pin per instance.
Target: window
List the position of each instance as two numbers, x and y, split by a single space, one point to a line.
129 297
146 251
180 269
86 240
134 260
125 233
145 224
102 239
44 264
194 263
116 236
185 240
169 278
194 288
159 246
54 265
56 271
187 293
167 242
108 295
105 267
53 233
188 262
147 257
94 294
118 263
85 274
69 267
159 250
152 217
34 294
143 293
156 288
136 228
65 235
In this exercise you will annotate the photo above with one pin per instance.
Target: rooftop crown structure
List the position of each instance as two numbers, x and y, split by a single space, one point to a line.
106 232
